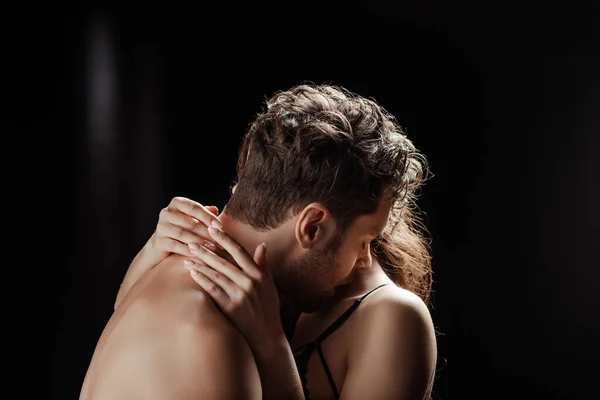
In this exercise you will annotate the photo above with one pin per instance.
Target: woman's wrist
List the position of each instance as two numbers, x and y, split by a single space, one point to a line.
271 349
278 372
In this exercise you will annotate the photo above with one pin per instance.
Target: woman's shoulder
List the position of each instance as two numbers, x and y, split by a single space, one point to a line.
396 306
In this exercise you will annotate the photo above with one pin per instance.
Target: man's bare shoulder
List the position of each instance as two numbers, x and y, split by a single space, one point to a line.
170 292
168 307
170 340
208 355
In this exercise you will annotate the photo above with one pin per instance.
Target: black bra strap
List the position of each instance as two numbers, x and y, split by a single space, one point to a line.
328 372
338 322
371 291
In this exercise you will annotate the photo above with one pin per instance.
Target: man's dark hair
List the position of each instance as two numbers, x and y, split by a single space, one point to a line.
321 143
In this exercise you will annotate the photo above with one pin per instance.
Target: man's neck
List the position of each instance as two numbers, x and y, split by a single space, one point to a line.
250 238
242 233
279 241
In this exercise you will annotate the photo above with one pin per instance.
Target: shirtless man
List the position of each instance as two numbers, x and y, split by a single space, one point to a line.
325 180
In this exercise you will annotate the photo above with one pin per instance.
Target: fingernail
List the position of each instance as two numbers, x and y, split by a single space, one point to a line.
188 263
213 230
194 246
210 246
217 223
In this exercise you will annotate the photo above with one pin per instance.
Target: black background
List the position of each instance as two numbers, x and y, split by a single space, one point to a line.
503 99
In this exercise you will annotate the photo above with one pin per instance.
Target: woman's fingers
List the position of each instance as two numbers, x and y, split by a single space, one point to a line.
221 265
169 230
175 224
213 289
236 250
171 245
195 210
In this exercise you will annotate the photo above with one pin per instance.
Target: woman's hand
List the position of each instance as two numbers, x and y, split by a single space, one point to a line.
182 222
242 288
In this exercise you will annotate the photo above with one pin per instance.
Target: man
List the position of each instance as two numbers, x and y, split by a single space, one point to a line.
325 181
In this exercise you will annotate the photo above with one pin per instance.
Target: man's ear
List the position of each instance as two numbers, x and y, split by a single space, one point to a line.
315 225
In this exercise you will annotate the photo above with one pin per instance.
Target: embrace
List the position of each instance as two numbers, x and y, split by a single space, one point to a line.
313 281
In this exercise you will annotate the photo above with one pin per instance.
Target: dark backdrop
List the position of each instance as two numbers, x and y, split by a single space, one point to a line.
136 103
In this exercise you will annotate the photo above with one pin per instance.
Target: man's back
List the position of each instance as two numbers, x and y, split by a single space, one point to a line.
168 340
